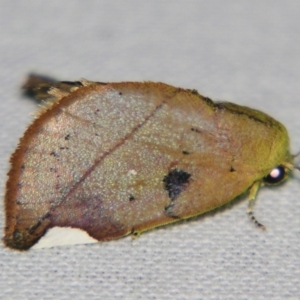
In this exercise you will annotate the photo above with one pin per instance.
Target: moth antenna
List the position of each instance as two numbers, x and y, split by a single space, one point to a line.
296 155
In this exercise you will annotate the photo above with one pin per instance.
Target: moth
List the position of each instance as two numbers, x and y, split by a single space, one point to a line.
114 159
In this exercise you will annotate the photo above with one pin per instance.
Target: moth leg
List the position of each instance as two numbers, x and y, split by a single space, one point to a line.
252 195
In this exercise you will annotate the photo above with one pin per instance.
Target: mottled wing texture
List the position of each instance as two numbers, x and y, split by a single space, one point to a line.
121 158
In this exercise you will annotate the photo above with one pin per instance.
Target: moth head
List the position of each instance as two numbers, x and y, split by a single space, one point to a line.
281 172
277 175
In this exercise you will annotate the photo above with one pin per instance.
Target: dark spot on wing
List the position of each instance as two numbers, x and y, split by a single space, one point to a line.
53 153
195 130
169 211
208 101
102 83
72 83
176 182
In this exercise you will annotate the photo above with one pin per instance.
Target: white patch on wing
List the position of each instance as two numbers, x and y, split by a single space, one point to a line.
62 236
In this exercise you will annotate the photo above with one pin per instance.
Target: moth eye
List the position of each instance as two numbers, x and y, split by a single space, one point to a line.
276 175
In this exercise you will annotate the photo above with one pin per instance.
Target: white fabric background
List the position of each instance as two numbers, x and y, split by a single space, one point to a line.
242 51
